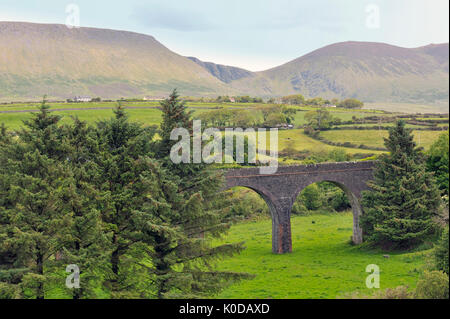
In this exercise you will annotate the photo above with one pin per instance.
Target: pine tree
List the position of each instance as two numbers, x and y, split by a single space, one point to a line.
174 114
11 271
127 186
403 197
193 214
34 218
87 243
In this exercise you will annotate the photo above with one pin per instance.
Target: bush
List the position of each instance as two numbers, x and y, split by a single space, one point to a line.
441 253
432 285
299 208
311 197
247 203
339 155
311 131
339 201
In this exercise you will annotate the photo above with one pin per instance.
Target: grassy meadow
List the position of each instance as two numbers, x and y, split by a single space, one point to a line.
323 263
374 138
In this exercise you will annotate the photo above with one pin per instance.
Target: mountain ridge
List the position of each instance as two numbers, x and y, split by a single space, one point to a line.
366 70
38 59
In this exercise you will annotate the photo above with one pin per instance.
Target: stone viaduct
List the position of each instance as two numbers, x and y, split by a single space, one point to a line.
280 190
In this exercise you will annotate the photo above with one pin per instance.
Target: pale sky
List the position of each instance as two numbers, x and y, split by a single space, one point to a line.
252 34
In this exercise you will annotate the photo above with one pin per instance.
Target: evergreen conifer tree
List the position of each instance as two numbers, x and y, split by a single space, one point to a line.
34 217
195 212
403 197
87 243
127 186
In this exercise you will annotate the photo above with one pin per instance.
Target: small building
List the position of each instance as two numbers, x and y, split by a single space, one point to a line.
329 105
82 99
232 99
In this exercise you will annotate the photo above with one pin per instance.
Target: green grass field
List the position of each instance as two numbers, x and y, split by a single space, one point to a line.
323 264
374 138
147 114
300 141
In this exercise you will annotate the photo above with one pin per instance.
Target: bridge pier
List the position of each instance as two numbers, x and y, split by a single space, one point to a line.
281 226
357 237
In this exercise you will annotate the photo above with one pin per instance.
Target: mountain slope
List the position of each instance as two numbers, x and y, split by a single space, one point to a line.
438 52
224 73
38 59
368 71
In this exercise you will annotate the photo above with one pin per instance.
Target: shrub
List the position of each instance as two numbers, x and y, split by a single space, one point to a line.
247 203
311 131
338 155
339 201
432 285
311 197
299 208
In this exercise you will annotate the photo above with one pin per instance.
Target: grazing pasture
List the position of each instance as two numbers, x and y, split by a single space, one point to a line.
374 138
323 263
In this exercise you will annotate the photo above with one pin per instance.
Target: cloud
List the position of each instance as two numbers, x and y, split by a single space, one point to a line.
171 18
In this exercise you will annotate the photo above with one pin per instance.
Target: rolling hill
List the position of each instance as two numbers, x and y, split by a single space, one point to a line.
38 59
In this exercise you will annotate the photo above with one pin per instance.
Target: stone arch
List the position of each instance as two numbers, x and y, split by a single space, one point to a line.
356 209
261 193
280 190
280 215
352 198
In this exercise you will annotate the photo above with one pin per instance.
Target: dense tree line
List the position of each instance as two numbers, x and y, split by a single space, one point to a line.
263 116
298 99
108 199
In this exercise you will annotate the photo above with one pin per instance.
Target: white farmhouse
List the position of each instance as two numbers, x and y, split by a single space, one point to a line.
82 99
